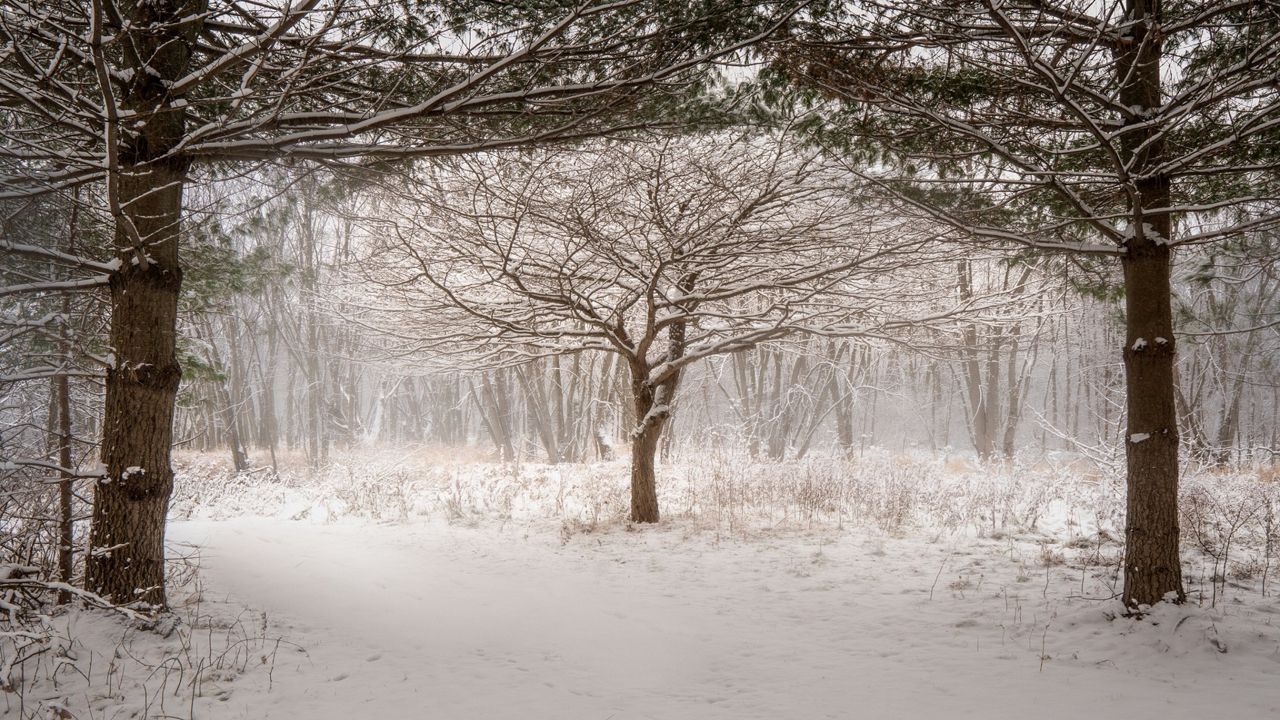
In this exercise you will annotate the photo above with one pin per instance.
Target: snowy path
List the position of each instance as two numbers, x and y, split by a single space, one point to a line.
432 621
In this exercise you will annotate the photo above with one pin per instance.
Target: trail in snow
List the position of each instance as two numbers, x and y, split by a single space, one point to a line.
432 621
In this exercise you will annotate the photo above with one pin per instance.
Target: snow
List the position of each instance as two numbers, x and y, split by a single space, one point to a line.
1139 437
505 621
17 571
1139 344
893 586
656 413
1149 231
106 667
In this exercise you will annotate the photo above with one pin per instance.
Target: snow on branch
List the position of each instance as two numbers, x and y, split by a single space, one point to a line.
90 283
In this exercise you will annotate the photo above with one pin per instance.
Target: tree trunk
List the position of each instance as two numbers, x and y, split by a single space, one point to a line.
269 429
66 496
62 400
652 409
978 394
130 503
845 404
653 402
1152 563
1229 429
66 488
644 484
746 385
774 419
1153 567
126 559
604 450
537 405
224 401
1015 380
497 414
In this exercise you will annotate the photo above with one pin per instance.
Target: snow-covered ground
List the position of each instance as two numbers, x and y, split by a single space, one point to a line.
437 621
500 593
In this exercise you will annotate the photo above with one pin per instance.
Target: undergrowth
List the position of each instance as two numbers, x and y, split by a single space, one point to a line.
1229 518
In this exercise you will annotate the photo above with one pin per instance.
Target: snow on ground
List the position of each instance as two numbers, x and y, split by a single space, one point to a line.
889 587
91 663
432 620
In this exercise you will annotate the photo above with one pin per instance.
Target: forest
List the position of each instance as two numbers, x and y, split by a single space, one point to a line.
639 359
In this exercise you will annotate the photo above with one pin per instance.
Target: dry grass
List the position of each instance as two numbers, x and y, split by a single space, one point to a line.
1229 518
721 490
1269 473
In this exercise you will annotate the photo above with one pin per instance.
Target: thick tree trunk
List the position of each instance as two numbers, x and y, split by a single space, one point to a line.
230 420
651 414
268 429
495 412
239 411
292 412
747 395
852 379
1009 443
561 397
1015 379
1153 567
318 376
604 408
775 423
644 484
126 558
653 402
317 437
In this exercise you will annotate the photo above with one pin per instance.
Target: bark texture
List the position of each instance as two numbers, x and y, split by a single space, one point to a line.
126 559
651 413
1153 569
644 483
1152 565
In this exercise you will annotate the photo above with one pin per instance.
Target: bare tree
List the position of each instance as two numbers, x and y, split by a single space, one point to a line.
146 96
662 253
1225 305
1120 129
